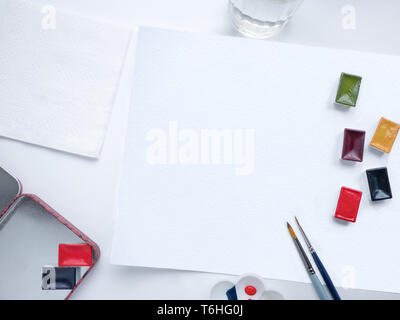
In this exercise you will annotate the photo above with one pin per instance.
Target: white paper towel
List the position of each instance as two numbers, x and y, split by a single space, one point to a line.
59 73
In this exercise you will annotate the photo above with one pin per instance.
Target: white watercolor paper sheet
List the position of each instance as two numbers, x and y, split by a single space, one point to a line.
229 138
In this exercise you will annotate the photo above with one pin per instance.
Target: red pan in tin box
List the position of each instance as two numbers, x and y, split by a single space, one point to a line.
42 255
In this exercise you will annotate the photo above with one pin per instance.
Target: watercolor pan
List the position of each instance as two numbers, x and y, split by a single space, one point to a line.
379 186
348 204
385 135
349 87
58 278
77 254
353 145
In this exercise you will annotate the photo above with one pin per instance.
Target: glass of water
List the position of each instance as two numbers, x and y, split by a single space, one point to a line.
262 18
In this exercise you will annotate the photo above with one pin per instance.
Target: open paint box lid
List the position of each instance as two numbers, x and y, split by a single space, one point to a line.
43 256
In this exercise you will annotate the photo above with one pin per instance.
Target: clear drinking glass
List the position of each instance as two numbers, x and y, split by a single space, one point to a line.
262 18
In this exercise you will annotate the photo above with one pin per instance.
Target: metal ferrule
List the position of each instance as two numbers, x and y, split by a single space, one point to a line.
306 261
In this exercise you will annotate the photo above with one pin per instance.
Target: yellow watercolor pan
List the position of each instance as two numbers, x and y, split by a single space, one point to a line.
385 135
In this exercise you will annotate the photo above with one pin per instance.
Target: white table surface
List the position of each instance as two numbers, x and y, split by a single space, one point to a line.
84 190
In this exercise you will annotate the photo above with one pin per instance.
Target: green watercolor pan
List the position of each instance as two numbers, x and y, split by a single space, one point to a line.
349 87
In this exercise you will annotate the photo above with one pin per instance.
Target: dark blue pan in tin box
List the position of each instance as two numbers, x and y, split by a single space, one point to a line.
31 237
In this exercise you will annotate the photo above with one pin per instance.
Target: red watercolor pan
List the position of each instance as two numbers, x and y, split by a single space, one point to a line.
348 204
74 255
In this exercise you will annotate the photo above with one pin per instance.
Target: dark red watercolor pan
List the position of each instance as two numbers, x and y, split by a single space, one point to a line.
353 145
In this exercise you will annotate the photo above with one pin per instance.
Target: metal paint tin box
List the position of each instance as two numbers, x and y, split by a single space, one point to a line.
43 256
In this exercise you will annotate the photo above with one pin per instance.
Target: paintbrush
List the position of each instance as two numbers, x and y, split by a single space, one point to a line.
320 266
323 295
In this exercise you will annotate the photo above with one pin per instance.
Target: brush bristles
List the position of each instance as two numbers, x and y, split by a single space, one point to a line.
291 231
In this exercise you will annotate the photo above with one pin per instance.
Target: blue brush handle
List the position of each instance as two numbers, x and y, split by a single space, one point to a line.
323 295
326 277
